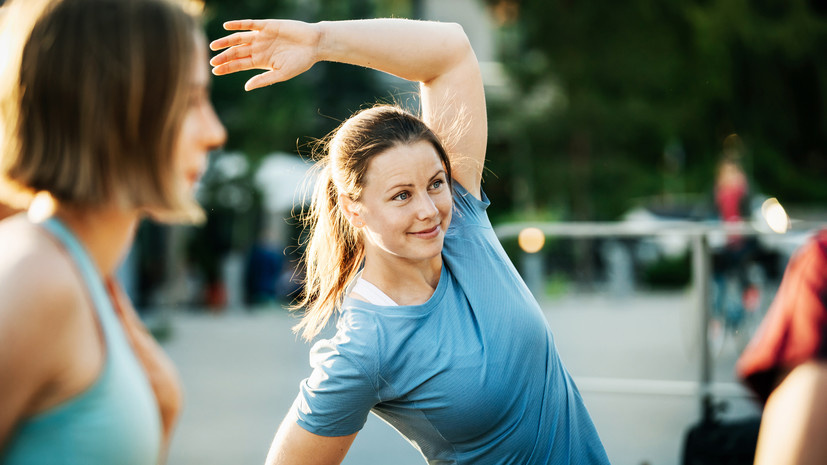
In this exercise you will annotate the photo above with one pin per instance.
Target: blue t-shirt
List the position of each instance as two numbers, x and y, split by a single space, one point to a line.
471 376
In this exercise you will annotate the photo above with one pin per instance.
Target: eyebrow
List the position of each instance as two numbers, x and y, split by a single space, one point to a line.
411 185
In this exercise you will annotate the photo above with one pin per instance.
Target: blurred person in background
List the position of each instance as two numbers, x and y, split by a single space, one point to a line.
732 205
786 363
437 334
736 291
731 191
106 115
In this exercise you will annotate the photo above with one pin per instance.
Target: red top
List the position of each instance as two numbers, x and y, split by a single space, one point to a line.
729 198
794 329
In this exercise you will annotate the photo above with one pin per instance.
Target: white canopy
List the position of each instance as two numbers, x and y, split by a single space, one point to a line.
285 182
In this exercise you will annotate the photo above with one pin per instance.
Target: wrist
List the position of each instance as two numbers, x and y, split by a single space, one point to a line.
322 46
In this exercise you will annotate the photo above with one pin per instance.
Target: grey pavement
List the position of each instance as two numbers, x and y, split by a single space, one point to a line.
635 359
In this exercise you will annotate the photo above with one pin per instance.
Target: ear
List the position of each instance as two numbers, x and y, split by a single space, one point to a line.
350 209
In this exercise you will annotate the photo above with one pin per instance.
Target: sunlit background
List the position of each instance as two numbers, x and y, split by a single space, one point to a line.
607 124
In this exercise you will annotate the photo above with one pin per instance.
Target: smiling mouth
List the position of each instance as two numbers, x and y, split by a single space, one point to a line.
427 233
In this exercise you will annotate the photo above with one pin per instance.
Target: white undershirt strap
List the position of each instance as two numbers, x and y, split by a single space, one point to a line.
372 293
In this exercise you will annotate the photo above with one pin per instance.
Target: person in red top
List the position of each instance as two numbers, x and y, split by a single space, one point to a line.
785 364
730 190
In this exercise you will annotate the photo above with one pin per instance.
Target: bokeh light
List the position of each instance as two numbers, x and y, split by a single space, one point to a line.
531 240
42 207
775 215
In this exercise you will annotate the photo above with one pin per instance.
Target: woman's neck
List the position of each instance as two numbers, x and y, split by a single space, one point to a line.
406 282
106 233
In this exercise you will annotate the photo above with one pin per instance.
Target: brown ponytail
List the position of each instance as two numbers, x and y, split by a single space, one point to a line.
334 254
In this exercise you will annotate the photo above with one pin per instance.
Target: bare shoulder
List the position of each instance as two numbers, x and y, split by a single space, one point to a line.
37 281
41 323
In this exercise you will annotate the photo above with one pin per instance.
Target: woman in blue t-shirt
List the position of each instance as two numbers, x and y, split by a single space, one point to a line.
436 332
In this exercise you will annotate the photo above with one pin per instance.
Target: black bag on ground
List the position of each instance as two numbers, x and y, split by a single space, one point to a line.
717 442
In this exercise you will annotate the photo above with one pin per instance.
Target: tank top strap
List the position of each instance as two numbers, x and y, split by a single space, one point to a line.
91 277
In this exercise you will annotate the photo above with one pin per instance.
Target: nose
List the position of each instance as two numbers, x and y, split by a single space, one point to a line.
214 132
426 208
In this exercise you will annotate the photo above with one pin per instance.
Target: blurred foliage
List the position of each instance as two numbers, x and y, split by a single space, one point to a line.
614 101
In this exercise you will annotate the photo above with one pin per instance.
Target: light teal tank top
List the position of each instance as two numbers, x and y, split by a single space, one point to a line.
115 421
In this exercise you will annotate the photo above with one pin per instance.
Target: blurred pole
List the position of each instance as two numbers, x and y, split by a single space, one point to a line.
531 241
619 268
533 273
701 272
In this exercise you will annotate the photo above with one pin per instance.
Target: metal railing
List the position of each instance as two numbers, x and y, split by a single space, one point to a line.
698 234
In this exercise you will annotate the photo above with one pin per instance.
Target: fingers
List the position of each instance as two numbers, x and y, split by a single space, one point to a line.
245 25
234 66
238 52
262 80
233 39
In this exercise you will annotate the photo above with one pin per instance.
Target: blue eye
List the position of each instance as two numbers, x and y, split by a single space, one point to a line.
402 196
437 184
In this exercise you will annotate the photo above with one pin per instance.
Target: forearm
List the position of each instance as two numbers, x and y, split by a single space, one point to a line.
294 445
413 50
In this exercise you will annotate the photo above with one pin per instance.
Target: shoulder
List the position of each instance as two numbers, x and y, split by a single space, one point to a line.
358 332
39 286
356 345
816 248
468 208
809 264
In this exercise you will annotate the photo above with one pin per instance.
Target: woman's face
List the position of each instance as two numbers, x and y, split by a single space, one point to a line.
201 130
405 207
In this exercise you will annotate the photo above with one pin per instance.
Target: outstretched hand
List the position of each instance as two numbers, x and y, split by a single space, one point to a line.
282 47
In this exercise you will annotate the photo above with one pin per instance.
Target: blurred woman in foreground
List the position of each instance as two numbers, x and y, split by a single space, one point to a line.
105 112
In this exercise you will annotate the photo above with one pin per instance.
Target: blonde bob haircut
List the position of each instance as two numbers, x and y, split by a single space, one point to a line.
95 105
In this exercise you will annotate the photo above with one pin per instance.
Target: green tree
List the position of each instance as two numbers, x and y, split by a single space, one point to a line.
618 100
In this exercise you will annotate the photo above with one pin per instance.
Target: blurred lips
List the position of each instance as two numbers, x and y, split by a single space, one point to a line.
193 177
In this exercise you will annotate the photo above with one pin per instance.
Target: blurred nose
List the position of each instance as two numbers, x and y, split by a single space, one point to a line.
214 133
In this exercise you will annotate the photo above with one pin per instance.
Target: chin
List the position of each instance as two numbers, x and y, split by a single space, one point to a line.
432 253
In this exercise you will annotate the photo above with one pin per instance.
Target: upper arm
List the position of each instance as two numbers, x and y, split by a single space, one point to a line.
795 418
295 445
18 338
453 105
32 334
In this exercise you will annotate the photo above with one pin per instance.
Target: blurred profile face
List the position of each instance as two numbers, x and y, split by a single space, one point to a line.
405 205
201 131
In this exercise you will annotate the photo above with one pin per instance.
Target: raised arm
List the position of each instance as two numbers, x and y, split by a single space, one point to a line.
437 55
